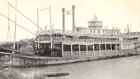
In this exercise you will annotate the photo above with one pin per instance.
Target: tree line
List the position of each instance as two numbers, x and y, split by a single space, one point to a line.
20 45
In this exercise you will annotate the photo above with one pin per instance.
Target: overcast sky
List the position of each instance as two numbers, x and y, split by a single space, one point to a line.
116 13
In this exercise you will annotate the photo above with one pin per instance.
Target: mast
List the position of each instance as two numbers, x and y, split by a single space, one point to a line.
14 46
38 31
37 19
50 18
15 26
51 26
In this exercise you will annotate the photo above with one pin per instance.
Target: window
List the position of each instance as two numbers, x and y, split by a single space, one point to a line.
94 31
77 29
98 31
90 31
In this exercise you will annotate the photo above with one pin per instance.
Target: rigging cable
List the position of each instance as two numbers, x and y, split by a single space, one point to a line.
17 24
24 15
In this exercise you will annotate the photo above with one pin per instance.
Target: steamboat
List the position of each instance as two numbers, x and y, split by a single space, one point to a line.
55 46
86 42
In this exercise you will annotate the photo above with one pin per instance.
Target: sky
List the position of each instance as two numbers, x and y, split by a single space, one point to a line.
113 13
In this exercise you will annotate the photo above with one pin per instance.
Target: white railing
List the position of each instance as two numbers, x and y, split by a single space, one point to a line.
76 40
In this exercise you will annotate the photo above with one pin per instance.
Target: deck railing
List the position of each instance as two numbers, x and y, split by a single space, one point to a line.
76 40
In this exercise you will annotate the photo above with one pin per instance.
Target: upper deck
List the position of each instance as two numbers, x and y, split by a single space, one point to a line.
58 36
93 33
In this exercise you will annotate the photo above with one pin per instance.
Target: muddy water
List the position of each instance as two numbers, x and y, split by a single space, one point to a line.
120 68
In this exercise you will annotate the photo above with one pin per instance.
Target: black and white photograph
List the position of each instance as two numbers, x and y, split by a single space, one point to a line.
69 39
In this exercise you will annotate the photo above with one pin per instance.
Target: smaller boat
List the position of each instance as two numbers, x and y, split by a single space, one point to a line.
56 74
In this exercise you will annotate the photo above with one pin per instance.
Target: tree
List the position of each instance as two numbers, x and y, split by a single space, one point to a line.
7 45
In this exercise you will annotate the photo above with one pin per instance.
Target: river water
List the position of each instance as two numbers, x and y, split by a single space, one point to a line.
119 68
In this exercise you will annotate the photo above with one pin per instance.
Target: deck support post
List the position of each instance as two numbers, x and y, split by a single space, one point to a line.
51 44
100 53
62 50
87 50
93 50
71 50
111 49
79 51
116 49
106 50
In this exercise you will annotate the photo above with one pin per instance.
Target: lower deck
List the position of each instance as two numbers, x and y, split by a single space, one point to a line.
75 49
29 61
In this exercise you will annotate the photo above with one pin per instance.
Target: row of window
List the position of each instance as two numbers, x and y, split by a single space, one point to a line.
91 47
103 31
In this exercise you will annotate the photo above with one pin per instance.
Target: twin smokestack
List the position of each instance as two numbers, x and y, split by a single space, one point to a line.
73 18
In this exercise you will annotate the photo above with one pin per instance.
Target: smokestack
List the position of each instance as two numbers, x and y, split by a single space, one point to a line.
73 17
63 19
127 28
130 27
